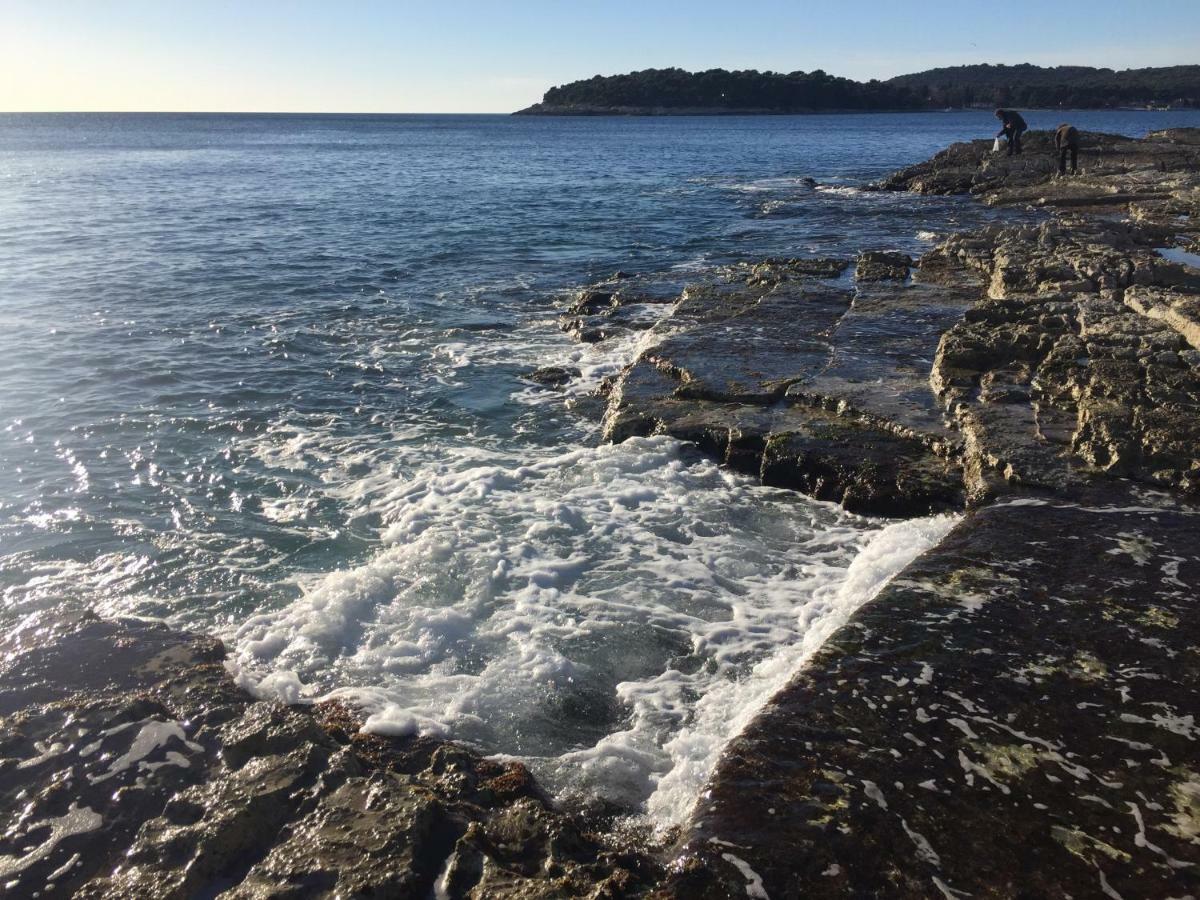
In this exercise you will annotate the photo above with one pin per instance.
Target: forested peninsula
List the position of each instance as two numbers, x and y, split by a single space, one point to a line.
721 92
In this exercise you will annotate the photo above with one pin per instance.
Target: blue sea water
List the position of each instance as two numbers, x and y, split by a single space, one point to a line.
261 375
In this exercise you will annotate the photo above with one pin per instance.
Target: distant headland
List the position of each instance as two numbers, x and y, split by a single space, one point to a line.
749 92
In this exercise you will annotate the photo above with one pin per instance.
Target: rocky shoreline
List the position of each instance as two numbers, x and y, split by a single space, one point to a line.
132 766
1015 715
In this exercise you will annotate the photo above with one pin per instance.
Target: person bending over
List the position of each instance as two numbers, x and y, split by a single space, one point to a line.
1066 140
1012 127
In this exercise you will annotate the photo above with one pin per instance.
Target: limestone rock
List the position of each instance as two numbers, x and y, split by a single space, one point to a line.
132 766
1077 362
774 270
881 265
807 384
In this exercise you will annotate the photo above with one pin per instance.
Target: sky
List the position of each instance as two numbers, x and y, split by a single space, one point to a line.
497 56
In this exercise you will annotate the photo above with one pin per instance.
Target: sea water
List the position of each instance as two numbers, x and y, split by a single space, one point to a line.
261 376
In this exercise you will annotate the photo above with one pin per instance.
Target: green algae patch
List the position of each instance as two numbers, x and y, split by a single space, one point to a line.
1087 667
829 799
1185 795
1114 610
1009 761
1158 617
1085 846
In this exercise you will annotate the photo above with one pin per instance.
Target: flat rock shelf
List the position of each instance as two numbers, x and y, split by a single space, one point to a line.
1013 716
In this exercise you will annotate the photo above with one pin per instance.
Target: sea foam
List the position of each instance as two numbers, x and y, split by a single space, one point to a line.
612 615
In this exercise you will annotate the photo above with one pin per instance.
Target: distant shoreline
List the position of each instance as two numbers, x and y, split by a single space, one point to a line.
676 91
539 109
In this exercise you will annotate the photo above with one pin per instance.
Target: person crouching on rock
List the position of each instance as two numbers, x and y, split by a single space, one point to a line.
1066 140
1012 127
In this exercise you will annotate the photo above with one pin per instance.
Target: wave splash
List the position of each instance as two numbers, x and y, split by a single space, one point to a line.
610 615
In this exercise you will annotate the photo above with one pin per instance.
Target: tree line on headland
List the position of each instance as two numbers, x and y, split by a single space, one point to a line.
667 91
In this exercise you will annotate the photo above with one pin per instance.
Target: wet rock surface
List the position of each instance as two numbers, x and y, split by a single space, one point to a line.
881 265
615 307
132 766
1014 716
777 269
553 376
806 382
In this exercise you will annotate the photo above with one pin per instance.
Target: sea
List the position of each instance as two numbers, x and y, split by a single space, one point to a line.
262 376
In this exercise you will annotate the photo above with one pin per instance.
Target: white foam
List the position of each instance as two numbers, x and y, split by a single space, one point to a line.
609 614
76 820
152 735
600 360
754 882
730 706
840 190
771 207
778 183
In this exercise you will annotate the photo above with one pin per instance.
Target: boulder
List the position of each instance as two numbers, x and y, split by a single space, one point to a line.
881 265
554 376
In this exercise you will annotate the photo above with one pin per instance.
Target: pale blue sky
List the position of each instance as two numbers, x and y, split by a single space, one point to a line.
468 56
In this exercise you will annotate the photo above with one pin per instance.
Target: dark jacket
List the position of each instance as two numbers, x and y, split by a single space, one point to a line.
1066 138
1012 121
